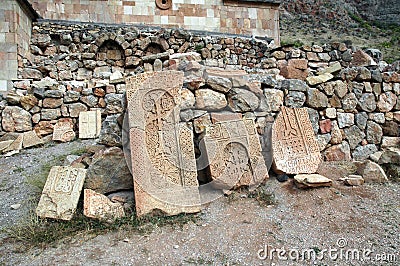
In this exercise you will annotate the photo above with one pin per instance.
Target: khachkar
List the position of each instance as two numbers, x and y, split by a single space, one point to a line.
294 146
234 154
162 151
61 192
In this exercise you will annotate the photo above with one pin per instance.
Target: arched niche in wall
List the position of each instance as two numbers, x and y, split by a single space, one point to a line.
153 48
111 53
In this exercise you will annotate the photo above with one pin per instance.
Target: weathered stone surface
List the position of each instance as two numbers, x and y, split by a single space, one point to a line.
188 99
340 88
390 156
339 152
116 77
323 140
295 99
110 133
295 69
44 128
241 100
89 124
234 154
98 206
374 132
15 118
30 73
31 139
314 80
371 172
353 180
76 108
29 101
354 136
316 98
209 99
50 114
274 99
335 67
336 134
364 152
361 120
330 113
295 148
349 102
386 101
345 119
52 102
61 193
220 84
390 142
312 181
108 172
391 128
5 144
377 117
360 58
294 85
325 126
162 151
13 98
314 118
367 102
64 130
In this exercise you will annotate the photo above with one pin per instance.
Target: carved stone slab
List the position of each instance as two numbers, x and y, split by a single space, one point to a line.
96 205
31 139
295 148
64 130
234 154
89 124
162 150
61 192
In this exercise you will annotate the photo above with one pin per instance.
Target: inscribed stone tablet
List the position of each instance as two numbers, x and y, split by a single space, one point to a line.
61 192
89 124
64 130
234 154
295 148
162 150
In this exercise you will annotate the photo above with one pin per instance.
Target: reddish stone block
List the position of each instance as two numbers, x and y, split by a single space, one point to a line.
325 126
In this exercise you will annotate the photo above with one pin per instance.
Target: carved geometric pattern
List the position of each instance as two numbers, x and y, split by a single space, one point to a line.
61 192
295 149
162 149
89 124
234 154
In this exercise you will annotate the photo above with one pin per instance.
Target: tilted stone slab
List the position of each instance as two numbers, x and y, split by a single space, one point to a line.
234 154
162 151
295 148
64 130
61 192
31 139
89 124
99 206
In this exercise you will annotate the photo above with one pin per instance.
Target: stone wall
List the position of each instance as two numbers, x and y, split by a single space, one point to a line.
15 34
353 102
260 18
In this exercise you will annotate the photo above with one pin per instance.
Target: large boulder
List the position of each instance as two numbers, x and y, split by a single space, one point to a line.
371 172
16 119
108 172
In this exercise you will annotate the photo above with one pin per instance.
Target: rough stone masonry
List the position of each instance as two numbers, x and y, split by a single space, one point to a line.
352 97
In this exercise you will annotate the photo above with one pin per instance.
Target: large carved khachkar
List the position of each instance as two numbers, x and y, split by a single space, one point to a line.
162 151
234 154
294 145
61 192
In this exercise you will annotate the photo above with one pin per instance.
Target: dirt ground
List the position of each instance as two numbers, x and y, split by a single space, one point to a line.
233 230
